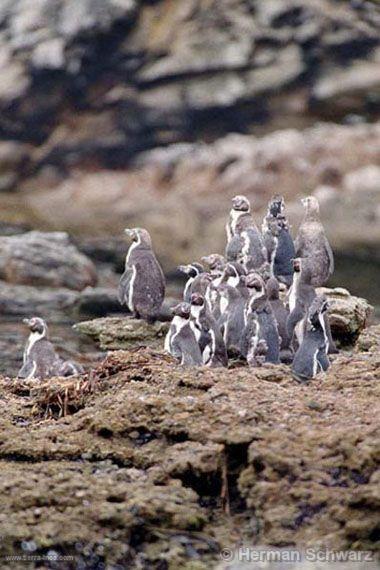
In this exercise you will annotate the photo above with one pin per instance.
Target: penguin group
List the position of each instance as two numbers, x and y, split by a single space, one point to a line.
258 301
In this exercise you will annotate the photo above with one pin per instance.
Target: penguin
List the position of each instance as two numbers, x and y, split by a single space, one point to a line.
40 359
312 242
280 249
214 261
231 321
311 357
180 341
300 296
280 312
142 285
243 237
210 340
276 207
193 270
260 322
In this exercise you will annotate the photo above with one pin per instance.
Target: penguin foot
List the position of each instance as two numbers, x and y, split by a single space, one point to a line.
301 379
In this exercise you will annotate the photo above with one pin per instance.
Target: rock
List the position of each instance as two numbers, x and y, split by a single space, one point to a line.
348 315
44 259
369 340
116 333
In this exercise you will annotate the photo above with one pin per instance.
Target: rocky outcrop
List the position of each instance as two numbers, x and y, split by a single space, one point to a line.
43 259
151 460
348 317
114 333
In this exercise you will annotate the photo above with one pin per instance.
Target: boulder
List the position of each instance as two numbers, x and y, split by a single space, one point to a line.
369 340
45 259
114 333
348 315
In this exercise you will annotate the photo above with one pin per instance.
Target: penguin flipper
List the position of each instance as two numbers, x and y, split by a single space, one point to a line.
295 316
26 370
123 288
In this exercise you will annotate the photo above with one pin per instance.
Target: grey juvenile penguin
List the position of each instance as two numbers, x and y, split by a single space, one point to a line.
40 359
280 248
231 321
260 322
311 357
281 314
142 285
208 335
180 341
193 271
312 242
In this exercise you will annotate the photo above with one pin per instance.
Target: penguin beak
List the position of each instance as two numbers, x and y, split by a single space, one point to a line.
25 321
130 233
184 268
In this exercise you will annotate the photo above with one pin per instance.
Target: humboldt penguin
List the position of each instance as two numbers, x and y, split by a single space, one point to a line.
276 207
312 242
210 340
280 249
260 322
300 296
281 315
193 271
142 285
40 359
180 341
231 321
243 237
214 261
311 357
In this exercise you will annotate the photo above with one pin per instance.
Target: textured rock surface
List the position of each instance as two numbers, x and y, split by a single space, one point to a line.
154 462
43 259
114 333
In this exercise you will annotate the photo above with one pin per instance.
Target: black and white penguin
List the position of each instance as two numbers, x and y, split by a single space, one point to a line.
311 242
300 297
280 312
210 340
260 322
142 285
192 270
243 237
40 359
311 357
180 341
231 321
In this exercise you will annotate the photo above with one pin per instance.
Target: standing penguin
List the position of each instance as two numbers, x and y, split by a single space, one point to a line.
311 357
193 270
312 242
40 359
142 285
231 321
260 322
280 248
243 237
180 341
281 315
210 340
300 296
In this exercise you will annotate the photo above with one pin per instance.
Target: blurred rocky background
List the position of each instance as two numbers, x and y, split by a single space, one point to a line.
116 113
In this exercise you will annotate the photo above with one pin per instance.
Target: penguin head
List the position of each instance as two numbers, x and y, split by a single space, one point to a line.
297 265
181 310
35 324
273 289
214 261
139 235
276 205
317 308
192 269
197 300
241 204
311 205
255 283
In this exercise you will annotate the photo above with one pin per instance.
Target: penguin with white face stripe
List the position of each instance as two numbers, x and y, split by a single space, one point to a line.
311 357
193 271
260 322
40 359
210 340
142 285
243 237
181 341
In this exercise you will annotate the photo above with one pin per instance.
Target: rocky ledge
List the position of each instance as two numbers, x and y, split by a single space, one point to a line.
348 317
142 462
